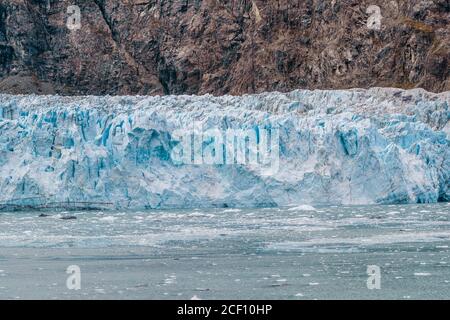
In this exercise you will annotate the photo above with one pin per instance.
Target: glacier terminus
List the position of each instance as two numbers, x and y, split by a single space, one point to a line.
375 146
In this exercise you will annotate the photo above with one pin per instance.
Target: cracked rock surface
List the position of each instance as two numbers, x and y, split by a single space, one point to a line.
152 47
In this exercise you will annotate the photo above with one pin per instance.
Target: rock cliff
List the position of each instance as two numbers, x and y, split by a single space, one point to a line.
151 47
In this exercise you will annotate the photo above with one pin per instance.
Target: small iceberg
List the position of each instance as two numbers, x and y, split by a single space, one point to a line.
303 207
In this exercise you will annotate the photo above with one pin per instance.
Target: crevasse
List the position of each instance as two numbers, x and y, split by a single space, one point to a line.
356 146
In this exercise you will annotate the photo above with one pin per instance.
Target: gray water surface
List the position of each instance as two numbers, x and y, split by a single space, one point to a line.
273 253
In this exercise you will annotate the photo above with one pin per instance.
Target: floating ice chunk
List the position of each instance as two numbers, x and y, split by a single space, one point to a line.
108 219
232 210
303 207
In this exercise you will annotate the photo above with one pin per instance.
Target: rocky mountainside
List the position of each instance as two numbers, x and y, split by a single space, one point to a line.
151 47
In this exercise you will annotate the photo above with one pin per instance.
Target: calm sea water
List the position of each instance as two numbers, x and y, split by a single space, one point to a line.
273 253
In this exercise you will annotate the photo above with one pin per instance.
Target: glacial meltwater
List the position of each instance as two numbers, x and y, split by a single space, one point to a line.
298 252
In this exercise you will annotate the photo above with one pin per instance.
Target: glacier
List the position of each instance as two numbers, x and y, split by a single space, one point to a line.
334 147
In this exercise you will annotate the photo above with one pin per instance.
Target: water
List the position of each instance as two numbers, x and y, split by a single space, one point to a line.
273 253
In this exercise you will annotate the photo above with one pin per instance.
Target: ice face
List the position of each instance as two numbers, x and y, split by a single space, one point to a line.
372 146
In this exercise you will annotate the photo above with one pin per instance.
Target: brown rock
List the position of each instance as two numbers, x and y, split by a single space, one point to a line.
221 46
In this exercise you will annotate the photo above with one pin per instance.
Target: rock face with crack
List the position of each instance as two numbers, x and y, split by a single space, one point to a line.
333 147
154 47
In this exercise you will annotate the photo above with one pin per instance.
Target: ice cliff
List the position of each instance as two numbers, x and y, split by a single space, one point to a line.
334 147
